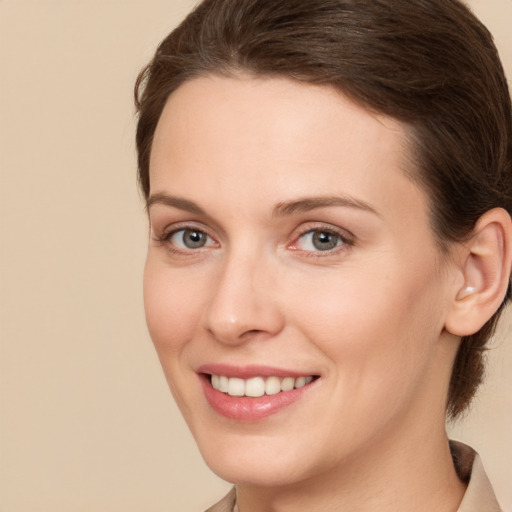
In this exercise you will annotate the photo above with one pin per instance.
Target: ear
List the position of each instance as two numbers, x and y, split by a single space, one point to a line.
484 263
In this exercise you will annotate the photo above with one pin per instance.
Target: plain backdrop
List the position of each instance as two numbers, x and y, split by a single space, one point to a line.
86 419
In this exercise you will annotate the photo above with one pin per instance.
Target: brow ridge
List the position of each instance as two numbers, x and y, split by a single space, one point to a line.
306 204
281 209
174 202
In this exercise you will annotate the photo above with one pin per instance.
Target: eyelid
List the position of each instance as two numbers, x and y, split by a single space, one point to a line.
346 237
171 238
169 231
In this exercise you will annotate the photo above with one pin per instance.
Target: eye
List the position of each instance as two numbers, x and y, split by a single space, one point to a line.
190 239
319 240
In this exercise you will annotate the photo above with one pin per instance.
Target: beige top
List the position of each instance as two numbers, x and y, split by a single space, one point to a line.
479 496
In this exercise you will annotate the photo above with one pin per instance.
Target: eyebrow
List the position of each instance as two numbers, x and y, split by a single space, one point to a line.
281 209
307 204
174 202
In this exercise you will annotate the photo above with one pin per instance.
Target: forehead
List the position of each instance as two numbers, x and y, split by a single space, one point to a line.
275 136
278 106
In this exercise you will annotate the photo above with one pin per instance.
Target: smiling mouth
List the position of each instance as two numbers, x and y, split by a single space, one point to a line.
258 386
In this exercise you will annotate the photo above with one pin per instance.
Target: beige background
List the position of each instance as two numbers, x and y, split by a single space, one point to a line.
86 420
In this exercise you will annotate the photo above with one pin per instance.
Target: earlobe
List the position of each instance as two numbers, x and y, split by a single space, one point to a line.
485 264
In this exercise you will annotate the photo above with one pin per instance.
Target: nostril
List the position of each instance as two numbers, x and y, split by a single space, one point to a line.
252 332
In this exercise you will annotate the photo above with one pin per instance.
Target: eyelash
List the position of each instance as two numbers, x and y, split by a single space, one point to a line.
166 237
345 240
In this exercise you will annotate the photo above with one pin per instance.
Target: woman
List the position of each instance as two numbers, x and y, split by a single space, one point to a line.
329 192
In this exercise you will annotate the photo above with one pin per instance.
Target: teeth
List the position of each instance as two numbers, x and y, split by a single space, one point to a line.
300 382
272 386
287 384
236 387
223 384
257 386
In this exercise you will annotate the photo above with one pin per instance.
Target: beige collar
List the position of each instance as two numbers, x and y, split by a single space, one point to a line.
479 496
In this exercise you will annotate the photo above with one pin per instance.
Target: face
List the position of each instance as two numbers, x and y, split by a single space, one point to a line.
293 288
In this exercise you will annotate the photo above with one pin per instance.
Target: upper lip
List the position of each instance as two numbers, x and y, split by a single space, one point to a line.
249 371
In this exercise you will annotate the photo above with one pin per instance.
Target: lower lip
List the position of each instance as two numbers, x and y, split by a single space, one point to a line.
243 408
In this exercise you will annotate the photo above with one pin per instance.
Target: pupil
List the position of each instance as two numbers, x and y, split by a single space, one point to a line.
324 241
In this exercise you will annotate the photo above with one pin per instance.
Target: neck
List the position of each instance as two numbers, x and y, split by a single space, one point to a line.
396 477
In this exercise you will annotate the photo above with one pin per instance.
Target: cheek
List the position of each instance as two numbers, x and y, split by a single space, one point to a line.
173 313
375 327
380 344
172 307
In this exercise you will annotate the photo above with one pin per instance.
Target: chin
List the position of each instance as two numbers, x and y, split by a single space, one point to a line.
254 470
256 459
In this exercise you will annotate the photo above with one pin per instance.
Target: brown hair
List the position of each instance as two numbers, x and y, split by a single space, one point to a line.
428 63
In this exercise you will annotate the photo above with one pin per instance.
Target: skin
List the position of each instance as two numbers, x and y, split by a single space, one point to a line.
367 316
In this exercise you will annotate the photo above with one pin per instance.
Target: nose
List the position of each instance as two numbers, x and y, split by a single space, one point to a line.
243 304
